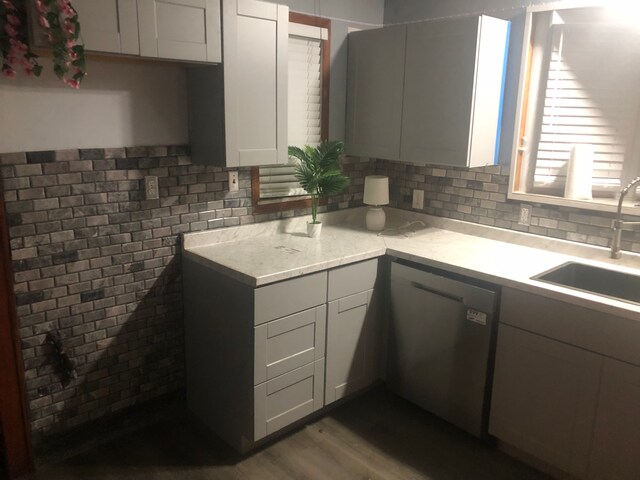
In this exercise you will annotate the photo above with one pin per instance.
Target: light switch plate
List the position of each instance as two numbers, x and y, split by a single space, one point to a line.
418 199
233 181
151 188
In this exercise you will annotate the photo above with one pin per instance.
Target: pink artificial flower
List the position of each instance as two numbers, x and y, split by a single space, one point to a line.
44 22
41 7
65 8
9 72
10 29
13 20
9 5
18 46
73 55
69 28
70 44
72 83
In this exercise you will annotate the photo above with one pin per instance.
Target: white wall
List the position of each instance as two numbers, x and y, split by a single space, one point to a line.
121 103
129 103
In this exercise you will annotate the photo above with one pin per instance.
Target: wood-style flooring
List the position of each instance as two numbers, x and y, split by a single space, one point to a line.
375 436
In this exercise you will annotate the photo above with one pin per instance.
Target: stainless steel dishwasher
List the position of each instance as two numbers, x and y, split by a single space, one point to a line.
441 343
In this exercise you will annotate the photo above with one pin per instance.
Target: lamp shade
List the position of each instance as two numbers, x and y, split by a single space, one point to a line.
376 190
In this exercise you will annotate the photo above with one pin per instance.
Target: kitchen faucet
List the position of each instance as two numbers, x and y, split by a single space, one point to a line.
618 224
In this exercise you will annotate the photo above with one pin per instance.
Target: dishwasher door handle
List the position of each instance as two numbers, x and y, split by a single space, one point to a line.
450 296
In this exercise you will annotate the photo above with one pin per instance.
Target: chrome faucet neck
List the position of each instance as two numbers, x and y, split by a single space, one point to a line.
618 224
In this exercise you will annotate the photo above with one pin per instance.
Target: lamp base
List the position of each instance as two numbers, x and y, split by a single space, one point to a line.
375 219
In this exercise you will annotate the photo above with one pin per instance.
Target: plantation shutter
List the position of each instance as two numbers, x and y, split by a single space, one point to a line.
591 97
305 107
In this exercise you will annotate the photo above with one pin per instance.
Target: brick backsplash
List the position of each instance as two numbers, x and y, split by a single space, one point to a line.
98 263
479 195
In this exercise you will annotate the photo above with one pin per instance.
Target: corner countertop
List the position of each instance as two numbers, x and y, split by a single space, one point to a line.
259 254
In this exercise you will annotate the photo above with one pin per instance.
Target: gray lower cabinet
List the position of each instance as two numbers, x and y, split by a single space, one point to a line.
544 398
615 441
566 386
255 357
353 330
288 398
351 345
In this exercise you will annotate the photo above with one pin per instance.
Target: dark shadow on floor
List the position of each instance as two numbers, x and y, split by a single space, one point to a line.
378 434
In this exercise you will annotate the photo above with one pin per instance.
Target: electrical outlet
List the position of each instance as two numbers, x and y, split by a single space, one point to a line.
525 215
233 181
418 199
151 188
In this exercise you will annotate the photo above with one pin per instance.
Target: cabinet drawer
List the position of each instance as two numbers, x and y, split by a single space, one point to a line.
345 281
599 332
288 398
288 343
291 296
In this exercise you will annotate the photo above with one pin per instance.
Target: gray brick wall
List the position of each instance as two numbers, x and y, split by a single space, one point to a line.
480 196
97 262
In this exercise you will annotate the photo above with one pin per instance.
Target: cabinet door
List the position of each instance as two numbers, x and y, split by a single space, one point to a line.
616 440
255 82
107 26
180 29
374 92
288 398
544 398
438 91
351 345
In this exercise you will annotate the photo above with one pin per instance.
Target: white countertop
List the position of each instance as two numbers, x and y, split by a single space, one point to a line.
264 253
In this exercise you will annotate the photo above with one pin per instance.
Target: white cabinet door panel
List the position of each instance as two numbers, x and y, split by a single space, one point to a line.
255 82
109 25
180 29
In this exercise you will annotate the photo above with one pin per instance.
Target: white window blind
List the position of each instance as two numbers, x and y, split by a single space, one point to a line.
592 97
305 108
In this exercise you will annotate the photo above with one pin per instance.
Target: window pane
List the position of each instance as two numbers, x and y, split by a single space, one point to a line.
304 114
591 97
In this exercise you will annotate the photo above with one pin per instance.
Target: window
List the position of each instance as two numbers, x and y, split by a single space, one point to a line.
274 188
580 93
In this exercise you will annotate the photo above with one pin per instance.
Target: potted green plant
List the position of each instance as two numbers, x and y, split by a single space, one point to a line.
320 175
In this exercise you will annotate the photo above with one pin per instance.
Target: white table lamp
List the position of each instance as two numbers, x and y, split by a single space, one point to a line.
376 194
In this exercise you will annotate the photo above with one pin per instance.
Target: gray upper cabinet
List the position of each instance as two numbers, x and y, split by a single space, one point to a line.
453 91
375 85
432 96
187 30
238 112
180 29
109 25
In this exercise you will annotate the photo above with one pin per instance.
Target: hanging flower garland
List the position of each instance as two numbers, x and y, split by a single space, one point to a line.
59 20
14 51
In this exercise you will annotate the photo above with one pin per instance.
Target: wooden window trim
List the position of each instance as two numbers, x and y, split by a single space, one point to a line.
284 205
